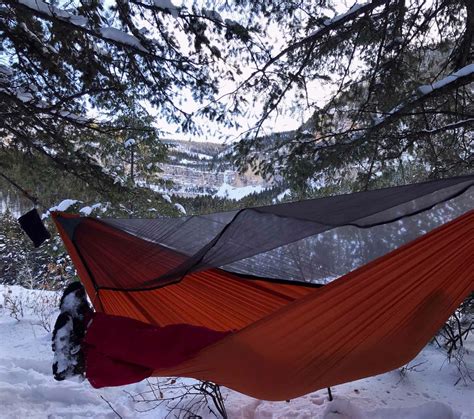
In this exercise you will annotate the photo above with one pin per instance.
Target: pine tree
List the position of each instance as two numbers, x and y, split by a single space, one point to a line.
21 264
400 75
63 66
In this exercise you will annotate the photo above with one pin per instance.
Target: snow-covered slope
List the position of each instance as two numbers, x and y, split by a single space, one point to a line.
199 168
27 389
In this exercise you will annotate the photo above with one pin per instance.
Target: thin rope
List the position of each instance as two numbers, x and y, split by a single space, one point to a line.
32 198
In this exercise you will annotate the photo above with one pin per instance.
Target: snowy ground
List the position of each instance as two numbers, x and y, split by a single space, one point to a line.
28 390
237 193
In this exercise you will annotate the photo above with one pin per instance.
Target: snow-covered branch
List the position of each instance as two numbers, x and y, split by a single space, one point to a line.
81 23
462 77
23 98
453 81
329 25
159 5
449 127
466 71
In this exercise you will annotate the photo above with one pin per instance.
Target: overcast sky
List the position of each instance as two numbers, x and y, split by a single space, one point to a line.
318 93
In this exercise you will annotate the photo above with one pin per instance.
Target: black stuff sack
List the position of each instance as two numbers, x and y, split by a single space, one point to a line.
33 226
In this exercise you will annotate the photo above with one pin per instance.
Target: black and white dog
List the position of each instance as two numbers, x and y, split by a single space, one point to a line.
69 330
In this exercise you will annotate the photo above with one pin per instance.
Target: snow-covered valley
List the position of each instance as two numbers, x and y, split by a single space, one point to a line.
428 388
200 169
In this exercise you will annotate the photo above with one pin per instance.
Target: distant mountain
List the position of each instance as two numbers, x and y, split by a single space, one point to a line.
197 168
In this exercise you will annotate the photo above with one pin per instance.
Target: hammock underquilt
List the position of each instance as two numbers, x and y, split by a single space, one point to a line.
270 339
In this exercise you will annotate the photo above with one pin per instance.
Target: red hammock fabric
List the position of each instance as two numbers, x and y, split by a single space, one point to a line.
111 343
289 339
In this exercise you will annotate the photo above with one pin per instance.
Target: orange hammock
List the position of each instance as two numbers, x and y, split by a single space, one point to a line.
370 321
286 339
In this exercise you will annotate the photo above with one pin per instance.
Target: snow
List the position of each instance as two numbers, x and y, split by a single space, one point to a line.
7 71
420 92
167 5
62 206
50 10
45 47
352 10
19 93
463 72
201 156
166 197
88 209
180 208
110 33
77 118
237 193
64 363
212 14
25 97
283 194
454 125
185 161
27 386
114 34
129 143
337 18
426 390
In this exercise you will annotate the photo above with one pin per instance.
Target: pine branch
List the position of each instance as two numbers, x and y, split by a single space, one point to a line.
330 25
460 78
80 23
423 94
